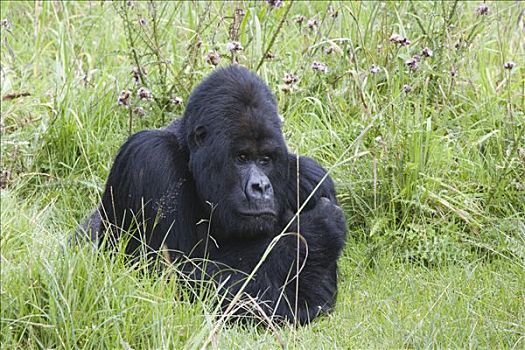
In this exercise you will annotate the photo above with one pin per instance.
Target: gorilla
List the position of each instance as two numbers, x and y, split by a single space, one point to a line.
213 189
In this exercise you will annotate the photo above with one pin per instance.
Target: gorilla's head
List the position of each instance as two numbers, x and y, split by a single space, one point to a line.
238 156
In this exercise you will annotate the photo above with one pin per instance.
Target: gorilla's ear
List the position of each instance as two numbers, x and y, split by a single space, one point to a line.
198 136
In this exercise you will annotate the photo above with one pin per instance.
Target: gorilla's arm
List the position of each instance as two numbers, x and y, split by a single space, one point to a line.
310 175
274 285
145 188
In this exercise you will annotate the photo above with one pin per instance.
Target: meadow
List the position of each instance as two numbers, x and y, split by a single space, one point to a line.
417 109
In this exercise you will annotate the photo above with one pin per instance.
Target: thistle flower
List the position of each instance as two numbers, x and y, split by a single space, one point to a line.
312 24
396 38
299 19
405 42
139 111
144 94
427 52
374 69
123 98
275 3
399 39
5 23
412 63
379 140
213 58
5 178
136 74
333 12
176 100
234 46
320 67
407 88
482 9
290 78
328 50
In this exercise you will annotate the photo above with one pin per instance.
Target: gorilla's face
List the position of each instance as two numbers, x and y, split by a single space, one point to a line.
259 167
238 157
242 174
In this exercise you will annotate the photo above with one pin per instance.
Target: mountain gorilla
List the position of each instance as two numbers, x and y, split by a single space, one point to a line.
220 184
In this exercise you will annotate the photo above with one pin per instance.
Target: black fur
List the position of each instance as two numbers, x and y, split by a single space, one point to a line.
227 160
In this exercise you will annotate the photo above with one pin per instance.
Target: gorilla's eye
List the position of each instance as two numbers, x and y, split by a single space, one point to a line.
242 158
265 160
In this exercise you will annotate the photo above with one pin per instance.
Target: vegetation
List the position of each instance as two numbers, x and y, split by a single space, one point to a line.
417 109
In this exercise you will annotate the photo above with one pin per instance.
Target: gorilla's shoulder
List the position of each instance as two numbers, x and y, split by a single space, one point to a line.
154 147
174 126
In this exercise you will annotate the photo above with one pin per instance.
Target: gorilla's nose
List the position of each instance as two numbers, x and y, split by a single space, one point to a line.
259 187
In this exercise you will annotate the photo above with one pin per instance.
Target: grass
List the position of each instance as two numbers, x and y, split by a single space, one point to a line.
433 190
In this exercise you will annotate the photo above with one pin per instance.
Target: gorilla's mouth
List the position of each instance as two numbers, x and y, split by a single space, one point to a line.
256 213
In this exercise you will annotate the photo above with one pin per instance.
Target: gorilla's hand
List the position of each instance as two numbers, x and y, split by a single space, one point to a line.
323 227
